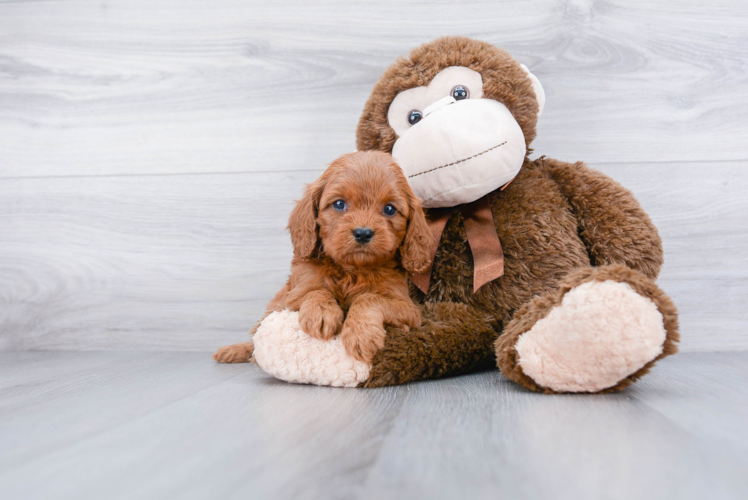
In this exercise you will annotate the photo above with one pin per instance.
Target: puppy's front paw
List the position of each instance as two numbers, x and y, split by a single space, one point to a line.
362 340
321 320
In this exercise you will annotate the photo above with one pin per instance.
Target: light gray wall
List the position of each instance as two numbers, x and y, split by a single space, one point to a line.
150 150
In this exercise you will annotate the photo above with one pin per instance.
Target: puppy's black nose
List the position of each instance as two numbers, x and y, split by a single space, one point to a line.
363 234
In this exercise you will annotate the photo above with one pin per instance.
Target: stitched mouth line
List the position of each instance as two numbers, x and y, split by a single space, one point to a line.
458 161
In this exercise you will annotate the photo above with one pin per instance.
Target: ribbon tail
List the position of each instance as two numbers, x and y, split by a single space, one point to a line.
437 221
488 256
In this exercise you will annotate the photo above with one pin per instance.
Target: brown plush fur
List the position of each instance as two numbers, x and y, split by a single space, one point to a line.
556 221
503 80
541 306
339 285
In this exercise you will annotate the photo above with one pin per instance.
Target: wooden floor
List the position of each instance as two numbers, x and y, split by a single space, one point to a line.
97 425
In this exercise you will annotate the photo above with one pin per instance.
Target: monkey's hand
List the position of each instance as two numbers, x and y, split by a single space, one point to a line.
453 338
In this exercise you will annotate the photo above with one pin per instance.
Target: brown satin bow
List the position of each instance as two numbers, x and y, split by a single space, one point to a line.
488 256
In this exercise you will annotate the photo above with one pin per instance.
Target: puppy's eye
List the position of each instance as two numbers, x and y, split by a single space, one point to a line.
339 205
414 117
459 93
389 210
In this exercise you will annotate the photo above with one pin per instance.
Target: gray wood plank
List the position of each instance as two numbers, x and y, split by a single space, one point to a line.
485 437
189 262
250 435
220 86
476 436
685 394
48 401
141 262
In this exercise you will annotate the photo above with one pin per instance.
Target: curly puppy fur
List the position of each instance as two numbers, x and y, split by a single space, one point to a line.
339 284
556 221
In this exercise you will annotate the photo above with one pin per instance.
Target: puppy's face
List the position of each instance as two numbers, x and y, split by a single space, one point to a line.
363 211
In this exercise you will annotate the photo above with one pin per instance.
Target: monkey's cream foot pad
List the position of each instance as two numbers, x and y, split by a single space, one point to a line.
599 334
284 351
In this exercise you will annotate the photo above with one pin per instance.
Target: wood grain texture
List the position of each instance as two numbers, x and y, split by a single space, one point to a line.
688 398
149 156
141 261
150 151
123 87
250 435
188 262
53 394
496 440
177 425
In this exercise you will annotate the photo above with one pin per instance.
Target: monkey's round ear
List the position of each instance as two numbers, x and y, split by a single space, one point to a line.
537 88
302 224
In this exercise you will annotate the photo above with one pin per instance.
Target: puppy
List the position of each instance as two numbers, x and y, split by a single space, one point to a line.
356 233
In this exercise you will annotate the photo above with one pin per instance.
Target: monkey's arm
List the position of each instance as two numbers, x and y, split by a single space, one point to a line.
614 227
453 338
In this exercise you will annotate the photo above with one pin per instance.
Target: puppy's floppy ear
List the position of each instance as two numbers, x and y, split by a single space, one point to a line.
302 224
415 252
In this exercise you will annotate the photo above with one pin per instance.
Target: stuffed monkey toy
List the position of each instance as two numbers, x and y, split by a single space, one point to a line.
543 268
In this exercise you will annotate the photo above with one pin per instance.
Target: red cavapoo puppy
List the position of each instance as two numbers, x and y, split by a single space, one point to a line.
356 233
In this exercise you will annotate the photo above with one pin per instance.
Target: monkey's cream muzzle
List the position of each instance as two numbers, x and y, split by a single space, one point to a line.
460 151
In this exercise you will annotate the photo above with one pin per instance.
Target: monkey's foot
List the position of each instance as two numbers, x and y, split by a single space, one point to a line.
604 329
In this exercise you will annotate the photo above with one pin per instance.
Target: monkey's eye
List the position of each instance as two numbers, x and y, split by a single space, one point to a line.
389 210
414 117
339 205
459 93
